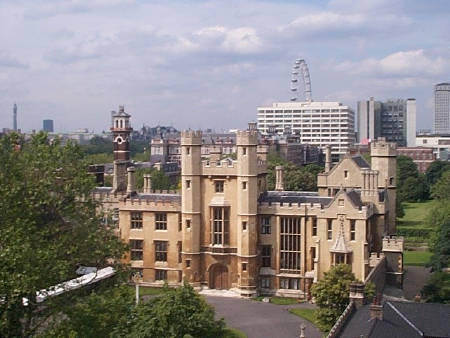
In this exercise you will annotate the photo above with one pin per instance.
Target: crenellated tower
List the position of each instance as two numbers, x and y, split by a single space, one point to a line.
191 206
121 130
384 160
247 210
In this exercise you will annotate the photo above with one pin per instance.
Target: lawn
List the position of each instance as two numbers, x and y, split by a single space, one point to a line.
419 258
148 291
413 225
308 314
234 333
278 300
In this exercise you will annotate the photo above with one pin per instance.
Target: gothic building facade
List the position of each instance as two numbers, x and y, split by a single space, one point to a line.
225 230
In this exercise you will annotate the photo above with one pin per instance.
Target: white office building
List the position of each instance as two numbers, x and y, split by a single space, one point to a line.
317 123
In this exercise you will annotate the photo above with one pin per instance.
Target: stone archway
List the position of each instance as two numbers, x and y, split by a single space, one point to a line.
218 277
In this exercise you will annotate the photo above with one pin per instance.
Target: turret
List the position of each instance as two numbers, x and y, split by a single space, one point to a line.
191 168
247 196
384 160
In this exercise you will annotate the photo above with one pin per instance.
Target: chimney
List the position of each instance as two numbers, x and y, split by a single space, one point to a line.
279 179
327 158
215 152
376 311
131 188
357 293
147 184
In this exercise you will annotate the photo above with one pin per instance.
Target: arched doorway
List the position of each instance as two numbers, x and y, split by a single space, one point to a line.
218 277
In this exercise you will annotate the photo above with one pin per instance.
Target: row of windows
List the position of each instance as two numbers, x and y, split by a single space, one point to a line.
137 220
161 248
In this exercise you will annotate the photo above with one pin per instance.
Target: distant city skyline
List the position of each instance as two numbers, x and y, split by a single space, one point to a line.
200 64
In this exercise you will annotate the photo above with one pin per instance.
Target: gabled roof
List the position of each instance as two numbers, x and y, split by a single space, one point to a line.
400 320
360 161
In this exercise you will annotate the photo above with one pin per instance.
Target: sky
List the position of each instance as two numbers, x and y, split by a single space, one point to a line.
210 64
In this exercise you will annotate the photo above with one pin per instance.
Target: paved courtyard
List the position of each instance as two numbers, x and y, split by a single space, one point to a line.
261 320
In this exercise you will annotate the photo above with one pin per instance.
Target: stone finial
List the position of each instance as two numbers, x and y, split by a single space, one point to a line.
279 178
302 331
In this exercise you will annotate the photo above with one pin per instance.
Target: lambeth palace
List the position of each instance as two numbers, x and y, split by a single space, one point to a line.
225 230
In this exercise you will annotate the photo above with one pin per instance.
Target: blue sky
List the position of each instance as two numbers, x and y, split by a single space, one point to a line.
199 64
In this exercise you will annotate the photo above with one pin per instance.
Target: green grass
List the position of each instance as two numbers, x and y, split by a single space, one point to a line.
418 258
148 291
233 333
278 300
308 314
415 214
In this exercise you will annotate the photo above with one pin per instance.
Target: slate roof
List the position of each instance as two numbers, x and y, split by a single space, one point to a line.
400 320
294 197
159 197
355 197
360 161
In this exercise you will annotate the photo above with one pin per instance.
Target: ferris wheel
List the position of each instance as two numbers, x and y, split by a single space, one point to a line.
300 68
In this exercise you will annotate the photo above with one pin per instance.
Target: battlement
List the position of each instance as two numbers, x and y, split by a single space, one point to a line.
247 137
382 148
191 137
393 243
156 203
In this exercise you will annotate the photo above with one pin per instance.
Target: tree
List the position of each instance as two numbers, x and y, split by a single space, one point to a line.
97 314
435 171
332 294
178 312
441 248
437 289
160 181
414 189
441 189
49 226
295 178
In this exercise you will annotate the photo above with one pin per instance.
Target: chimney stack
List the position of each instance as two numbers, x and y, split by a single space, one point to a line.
147 184
327 158
131 188
279 178
376 311
357 293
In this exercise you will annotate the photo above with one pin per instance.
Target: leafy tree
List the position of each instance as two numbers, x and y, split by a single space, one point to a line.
441 189
435 171
98 145
178 312
49 226
99 158
437 289
160 181
295 178
414 189
405 168
332 294
314 169
441 248
96 315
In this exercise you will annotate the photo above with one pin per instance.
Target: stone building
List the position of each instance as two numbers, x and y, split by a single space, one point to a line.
224 230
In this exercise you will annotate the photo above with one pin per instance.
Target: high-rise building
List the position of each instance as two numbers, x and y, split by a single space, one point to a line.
394 120
15 117
442 108
317 123
48 126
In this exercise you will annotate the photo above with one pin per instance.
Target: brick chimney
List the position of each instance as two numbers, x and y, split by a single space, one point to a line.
376 311
327 158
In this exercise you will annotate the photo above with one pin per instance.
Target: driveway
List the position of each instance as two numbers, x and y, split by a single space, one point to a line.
261 320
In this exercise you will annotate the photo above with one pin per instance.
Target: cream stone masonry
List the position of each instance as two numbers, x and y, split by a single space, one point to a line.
224 230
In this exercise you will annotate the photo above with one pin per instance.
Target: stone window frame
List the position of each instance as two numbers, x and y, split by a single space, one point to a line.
161 249
160 275
160 220
136 220
136 249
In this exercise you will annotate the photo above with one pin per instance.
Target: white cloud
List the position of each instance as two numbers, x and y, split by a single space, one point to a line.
324 21
411 64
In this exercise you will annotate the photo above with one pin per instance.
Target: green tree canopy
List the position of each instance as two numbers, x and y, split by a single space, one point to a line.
435 171
441 189
295 178
411 186
49 226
